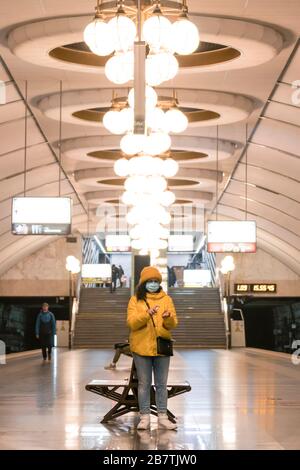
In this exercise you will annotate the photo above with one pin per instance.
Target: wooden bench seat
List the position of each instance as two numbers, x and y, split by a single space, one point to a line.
125 393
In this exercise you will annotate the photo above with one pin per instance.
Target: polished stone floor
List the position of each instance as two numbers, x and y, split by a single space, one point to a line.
240 399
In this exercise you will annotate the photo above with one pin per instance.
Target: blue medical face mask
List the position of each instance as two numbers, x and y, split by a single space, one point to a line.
152 286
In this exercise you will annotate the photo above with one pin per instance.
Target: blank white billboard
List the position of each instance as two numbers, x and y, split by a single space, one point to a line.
231 236
94 273
181 243
41 215
117 243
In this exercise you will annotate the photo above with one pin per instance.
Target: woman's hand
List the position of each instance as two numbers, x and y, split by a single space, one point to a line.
166 314
153 311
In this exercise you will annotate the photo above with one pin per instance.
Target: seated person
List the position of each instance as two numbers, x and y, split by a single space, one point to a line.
121 348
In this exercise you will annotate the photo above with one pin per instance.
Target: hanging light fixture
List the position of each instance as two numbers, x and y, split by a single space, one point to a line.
98 35
176 121
111 32
185 33
151 98
160 67
119 68
114 31
123 31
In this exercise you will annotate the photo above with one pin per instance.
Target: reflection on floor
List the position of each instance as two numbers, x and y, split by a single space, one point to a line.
240 399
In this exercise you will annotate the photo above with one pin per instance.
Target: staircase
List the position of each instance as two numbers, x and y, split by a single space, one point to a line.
101 320
201 322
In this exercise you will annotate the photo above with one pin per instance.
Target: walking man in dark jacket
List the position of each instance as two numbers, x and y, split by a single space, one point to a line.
114 277
45 330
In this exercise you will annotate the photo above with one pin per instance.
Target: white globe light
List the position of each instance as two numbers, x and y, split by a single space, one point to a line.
143 252
154 74
121 167
154 254
129 198
165 219
170 167
123 32
146 165
119 69
169 65
156 184
157 31
155 119
127 118
114 122
135 184
157 166
176 121
157 143
167 198
164 233
132 218
132 144
151 98
162 244
98 36
160 67
137 244
142 165
228 263
185 35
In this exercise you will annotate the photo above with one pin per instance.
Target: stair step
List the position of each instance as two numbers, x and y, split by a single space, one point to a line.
101 321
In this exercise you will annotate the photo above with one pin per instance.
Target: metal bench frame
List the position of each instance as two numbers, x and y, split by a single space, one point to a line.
126 395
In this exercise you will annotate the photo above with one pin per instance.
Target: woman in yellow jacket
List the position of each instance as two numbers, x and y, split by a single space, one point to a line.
142 339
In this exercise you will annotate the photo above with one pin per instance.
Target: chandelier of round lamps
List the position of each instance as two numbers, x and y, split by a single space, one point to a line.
146 187
116 35
120 120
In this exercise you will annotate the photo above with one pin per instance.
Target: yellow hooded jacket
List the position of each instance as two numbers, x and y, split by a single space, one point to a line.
143 336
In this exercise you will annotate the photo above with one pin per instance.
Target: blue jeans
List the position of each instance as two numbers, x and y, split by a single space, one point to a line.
144 366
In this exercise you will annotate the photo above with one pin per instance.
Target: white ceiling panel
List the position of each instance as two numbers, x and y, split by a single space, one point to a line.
283 112
279 135
4 77
12 135
283 94
13 163
270 199
11 111
273 160
292 73
259 209
273 181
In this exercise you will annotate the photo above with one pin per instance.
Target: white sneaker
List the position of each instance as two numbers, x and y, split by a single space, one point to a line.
144 422
164 422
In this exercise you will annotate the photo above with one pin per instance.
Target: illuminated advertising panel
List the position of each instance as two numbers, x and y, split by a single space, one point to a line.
95 273
41 215
181 243
197 278
231 236
117 243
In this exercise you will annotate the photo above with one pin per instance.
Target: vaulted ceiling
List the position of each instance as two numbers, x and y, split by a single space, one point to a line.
256 86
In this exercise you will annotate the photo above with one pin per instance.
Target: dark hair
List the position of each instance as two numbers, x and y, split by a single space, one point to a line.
141 291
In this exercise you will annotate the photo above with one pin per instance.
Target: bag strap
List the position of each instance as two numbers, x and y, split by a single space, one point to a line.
151 315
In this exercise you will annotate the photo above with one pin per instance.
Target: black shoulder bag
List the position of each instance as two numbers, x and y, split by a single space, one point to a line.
164 345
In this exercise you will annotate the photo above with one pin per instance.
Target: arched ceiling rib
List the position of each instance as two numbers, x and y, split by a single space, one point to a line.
273 155
273 176
42 173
